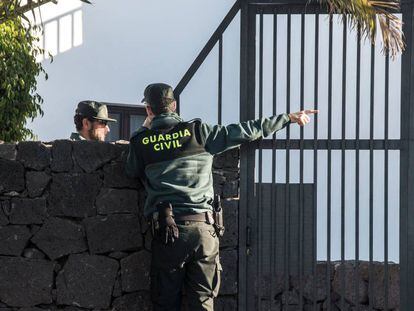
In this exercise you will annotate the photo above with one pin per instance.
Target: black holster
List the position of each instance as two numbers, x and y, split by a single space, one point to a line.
218 216
163 224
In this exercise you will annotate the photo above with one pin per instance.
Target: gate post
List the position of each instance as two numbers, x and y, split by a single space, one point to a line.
407 164
247 153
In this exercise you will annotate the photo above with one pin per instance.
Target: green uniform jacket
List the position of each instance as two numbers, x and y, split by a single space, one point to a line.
177 167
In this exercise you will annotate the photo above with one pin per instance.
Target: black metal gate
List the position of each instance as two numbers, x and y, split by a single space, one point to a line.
322 208
282 266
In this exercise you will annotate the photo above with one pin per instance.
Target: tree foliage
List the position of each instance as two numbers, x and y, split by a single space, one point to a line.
19 100
10 9
19 70
363 14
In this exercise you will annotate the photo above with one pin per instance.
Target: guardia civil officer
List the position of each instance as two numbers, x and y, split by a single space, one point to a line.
91 121
173 158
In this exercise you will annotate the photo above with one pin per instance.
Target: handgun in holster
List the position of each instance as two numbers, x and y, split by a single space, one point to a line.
163 224
218 216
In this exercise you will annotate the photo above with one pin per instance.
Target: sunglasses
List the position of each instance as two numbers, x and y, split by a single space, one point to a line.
103 122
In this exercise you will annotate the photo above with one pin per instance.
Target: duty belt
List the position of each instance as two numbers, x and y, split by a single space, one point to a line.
169 219
202 217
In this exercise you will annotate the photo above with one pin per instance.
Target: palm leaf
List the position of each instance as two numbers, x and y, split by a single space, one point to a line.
364 14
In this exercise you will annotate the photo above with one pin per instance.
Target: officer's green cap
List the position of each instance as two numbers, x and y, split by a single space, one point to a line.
157 94
93 109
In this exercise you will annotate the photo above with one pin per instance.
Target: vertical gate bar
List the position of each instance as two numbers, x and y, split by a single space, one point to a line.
357 104
287 212
387 60
343 179
247 156
301 218
371 176
315 159
406 163
260 168
273 198
220 79
328 266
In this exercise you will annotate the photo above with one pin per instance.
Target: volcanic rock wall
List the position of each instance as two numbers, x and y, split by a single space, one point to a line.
73 237
72 232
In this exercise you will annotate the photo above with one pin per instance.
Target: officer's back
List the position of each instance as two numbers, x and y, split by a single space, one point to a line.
173 159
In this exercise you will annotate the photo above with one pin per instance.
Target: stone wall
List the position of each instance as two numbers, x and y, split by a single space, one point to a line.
355 290
72 233
72 237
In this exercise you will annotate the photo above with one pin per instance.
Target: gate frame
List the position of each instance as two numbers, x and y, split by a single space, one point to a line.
405 145
407 163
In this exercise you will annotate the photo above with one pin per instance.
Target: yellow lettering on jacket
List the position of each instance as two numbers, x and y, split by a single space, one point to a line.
166 141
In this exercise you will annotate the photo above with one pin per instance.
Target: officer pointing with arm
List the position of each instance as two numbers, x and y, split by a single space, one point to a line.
173 158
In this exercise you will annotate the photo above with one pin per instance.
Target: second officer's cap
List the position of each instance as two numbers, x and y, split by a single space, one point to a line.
93 109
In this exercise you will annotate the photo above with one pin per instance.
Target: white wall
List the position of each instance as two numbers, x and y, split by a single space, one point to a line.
125 45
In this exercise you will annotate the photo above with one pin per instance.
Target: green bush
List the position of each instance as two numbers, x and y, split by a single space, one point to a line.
19 100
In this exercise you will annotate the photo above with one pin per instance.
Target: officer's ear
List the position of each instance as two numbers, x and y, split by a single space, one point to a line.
85 123
173 106
149 111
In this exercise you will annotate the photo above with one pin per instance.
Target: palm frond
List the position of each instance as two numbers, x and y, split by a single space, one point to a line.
365 13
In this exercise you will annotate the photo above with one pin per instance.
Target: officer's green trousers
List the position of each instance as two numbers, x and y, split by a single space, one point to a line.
191 264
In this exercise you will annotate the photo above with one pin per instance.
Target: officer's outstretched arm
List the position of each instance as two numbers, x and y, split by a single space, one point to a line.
219 138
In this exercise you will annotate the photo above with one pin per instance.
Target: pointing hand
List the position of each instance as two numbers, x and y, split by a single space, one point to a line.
301 117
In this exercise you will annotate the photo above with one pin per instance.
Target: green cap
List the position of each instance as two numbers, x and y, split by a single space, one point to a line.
93 109
156 93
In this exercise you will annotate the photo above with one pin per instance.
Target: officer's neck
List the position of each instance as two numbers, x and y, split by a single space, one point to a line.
84 133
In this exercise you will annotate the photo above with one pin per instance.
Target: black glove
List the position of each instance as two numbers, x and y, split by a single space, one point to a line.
168 227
